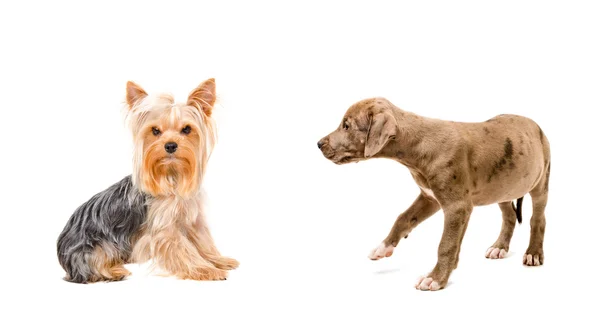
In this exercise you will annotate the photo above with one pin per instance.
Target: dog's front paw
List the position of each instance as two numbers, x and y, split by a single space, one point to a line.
495 253
533 259
428 283
204 274
381 252
216 275
226 263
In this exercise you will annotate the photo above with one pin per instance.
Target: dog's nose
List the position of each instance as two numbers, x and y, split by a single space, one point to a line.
171 147
320 144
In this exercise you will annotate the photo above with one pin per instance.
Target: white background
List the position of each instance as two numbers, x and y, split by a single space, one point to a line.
286 72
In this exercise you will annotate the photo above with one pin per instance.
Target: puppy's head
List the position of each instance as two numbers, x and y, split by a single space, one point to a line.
365 130
172 140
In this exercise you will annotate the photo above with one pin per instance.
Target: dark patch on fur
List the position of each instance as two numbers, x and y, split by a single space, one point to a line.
467 192
487 131
506 159
450 163
475 168
113 215
508 148
454 177
474 183
521 153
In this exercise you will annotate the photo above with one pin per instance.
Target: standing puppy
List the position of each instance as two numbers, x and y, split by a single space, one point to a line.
457 166
157 212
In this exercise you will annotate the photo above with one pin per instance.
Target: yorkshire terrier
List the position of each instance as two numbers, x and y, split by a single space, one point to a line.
155 214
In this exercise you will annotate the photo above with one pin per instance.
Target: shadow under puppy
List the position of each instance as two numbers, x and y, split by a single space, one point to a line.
457 166
156 213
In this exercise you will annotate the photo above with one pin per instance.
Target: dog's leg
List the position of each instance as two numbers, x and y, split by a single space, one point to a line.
421 209
534 255
106 264
174 253
535 252
206 247
456 218
509 219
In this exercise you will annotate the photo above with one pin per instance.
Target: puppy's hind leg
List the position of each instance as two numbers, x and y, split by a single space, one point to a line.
107 264
421 209
510 214
534 255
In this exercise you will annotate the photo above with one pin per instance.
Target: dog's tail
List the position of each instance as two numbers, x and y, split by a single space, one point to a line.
518 209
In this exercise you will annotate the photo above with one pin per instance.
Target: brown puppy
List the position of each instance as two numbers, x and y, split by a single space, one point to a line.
458 166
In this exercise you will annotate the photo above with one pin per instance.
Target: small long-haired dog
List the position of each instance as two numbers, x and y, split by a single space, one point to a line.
156 213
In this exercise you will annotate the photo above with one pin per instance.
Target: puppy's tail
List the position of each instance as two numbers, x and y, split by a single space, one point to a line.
518 209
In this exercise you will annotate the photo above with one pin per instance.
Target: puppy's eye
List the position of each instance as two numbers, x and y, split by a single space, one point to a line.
186 130
155 131
346 126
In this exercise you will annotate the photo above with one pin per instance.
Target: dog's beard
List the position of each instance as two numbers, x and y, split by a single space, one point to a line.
170 174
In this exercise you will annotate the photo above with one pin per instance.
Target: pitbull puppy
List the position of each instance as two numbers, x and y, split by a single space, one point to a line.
457 166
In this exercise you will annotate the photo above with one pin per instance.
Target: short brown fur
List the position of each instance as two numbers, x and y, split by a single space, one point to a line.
457 166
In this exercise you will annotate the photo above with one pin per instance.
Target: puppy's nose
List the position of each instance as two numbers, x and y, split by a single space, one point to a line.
320 144
171 147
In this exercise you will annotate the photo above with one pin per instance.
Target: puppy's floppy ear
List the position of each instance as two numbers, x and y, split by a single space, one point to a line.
382 128
204 96
135 93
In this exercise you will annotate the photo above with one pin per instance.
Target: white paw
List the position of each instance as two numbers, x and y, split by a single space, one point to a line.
427 283
495 253
381 251
531 260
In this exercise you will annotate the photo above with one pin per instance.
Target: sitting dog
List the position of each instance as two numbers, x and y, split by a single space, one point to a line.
457 166
155 213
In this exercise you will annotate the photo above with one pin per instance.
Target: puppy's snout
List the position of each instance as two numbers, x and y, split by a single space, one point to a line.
171 147
320 144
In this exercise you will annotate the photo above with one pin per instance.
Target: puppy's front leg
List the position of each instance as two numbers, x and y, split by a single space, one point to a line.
456 218
421 209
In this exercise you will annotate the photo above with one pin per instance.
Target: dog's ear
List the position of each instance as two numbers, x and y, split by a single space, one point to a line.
135 94
204 96
382 129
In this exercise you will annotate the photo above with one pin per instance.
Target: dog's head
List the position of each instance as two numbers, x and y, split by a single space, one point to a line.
365 130
172 140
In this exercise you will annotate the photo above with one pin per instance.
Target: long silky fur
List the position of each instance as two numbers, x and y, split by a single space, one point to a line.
155 213
112 216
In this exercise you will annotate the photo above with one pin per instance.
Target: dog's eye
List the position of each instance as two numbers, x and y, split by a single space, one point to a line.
155 131
186 130
346 126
